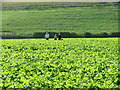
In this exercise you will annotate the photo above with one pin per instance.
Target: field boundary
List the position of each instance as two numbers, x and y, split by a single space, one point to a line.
64 35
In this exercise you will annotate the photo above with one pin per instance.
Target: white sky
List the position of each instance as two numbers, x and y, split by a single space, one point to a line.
60 0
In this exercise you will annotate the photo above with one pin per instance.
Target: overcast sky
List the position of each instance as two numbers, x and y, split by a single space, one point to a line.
60 0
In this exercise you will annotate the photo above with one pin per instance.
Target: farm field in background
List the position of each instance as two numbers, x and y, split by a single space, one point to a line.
68 63
27 18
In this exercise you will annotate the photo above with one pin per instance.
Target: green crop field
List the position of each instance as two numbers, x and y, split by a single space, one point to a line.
68 63
27 18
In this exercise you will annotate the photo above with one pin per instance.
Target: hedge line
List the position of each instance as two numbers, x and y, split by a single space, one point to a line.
64 35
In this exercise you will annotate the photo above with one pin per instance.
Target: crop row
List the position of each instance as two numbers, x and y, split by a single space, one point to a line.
68 63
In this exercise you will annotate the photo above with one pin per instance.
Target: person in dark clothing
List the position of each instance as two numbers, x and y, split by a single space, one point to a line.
59 36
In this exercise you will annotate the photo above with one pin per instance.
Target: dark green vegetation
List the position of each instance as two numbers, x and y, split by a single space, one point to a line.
68 63
25 19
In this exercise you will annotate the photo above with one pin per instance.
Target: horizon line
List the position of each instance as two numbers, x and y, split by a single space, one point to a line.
59 0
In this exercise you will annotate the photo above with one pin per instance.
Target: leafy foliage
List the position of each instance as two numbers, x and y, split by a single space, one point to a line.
68 63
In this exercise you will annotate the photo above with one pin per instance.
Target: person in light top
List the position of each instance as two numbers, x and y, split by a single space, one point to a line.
47 36
55 37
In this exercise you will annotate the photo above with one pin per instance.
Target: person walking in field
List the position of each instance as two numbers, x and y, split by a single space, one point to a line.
55 37
59 36
47 36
